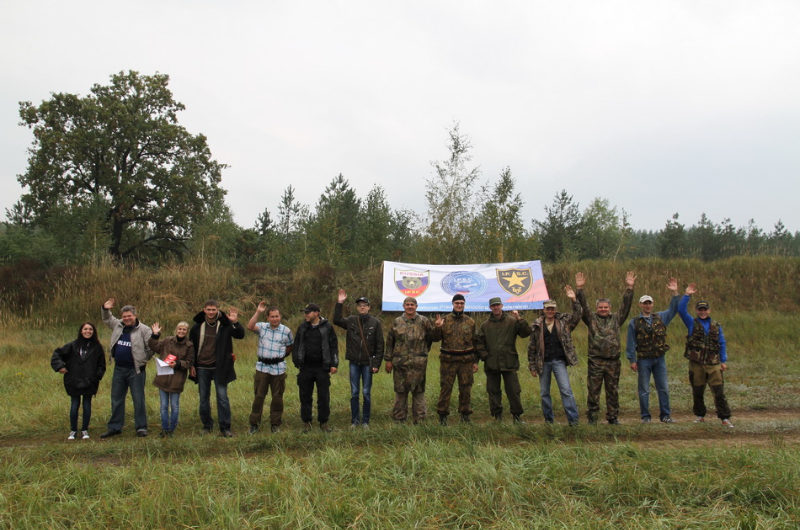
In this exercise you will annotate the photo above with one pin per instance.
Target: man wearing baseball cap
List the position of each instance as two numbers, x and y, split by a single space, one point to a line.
645 349
364 353
316 355
497 348
457 359
708 356
551 350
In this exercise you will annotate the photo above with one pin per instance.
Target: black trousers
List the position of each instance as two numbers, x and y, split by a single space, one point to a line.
306 379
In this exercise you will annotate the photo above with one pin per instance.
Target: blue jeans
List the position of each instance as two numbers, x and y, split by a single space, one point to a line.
658 367
73 412
204 378
169 400
559 369
359 373
123 379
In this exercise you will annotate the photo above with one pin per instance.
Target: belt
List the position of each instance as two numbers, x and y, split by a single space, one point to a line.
276 360
458 353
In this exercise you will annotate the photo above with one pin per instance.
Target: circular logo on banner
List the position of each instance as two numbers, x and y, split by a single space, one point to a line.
464 282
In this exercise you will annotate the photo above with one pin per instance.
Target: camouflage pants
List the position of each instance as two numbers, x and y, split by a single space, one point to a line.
513 391
410 377
603 371
699 376
450 368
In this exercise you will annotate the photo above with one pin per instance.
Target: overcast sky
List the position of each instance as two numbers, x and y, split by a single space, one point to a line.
658 106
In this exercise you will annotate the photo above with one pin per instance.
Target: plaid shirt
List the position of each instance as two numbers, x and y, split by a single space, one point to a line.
272 344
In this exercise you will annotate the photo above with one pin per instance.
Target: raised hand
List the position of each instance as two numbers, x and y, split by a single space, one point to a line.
580 280
109 304
439 321
630 278
691 289
515 314
672 285
156 327
570 292
233 315
342 296
262 306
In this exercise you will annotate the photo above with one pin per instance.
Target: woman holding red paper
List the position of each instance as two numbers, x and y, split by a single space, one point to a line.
176 352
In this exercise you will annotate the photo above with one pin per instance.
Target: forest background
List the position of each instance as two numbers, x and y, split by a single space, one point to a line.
122 201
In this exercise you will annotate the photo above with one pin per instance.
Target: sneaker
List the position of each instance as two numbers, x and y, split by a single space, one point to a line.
353 426
71 435
324 427
274 428
518 419
727 423
365 426
226 433
647 420
307 426
667 419
109 433
253 429
699 419
141 433
84 435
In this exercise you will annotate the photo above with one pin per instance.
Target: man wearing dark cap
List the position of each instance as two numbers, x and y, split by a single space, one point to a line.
646 348
364 353
316 355
707 354
457 359
407 345
550 352
497 347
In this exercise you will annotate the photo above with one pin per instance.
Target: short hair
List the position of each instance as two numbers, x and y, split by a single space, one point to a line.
602 301
128 309
212 302
181 323
272 308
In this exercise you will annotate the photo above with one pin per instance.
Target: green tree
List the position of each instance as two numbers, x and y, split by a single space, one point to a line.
603 230
333 229
451 200
121 150
672 239
558 232
499 222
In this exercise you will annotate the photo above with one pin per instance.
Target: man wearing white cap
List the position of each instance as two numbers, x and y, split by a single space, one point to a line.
645 349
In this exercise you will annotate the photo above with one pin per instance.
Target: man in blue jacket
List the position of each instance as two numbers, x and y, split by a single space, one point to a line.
645 349
708 356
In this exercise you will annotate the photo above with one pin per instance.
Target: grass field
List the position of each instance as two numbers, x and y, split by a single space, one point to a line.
480 475
486 474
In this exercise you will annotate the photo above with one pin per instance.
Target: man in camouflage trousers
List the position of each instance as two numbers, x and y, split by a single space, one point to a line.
707 352
497 347
604 349
407 346
457 359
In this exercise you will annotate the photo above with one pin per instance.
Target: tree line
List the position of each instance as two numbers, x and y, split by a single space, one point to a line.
114 174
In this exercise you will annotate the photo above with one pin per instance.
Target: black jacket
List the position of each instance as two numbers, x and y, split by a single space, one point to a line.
330 345
83 375
228 331
355 352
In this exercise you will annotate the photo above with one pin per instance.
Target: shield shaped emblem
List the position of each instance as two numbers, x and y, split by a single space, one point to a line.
515 281
411 282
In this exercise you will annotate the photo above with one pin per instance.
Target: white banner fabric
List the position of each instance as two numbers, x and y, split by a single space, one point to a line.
520 285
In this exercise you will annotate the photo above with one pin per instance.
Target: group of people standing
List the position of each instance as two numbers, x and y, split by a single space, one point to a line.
204 353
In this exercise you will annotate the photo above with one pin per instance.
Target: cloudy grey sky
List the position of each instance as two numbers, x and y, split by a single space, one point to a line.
659 106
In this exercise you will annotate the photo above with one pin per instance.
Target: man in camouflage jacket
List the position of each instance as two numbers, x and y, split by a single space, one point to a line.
407 345
604 348
457 359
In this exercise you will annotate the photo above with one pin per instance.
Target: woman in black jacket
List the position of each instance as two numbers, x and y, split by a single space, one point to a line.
83 363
